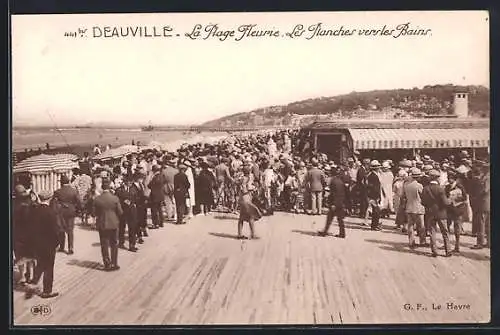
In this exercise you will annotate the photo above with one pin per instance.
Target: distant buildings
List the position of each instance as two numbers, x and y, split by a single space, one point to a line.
407 107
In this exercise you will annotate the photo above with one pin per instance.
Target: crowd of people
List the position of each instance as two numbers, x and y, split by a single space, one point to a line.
254 175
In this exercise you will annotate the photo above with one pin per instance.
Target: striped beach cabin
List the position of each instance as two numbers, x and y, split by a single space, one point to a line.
400 137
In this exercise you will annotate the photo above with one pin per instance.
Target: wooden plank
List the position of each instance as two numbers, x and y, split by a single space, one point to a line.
200 274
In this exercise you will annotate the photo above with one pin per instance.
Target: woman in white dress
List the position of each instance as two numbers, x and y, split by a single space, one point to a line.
386 179
190 176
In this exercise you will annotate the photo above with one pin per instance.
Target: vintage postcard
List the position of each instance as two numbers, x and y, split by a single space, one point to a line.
299 168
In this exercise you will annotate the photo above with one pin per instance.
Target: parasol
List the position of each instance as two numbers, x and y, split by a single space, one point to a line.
117 152
47 163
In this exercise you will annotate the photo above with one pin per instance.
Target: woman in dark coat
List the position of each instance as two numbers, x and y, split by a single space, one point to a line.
205 189
248 211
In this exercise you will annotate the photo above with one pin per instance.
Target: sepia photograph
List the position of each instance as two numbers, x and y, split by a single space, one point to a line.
271 168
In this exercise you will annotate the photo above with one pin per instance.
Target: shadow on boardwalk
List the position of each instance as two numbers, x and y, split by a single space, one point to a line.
85 264
234 237
306 232
404 248
227 216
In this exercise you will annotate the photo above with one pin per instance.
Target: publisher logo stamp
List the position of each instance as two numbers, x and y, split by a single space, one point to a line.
41 310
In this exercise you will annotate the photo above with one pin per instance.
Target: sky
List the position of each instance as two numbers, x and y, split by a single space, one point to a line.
58 80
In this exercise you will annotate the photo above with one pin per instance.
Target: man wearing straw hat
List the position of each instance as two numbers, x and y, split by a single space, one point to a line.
46 233
412 192
69 204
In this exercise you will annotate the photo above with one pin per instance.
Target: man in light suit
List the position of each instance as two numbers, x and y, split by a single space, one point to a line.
168 174
412 192
69 203
108 211
316 180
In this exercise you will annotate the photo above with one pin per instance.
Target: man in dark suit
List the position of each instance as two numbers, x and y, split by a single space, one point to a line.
337 200
373 194
361 182
128 219
46 238
181 192
138 201
484 229
108 211
476 201
69 203
157 196
141 204
316 180
435 202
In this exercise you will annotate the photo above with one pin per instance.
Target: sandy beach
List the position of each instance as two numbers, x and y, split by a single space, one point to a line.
88 137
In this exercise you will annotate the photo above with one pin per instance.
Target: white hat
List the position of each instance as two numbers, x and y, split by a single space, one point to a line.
402 173
415 172
374 163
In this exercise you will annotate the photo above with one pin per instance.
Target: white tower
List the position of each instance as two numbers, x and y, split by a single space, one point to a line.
461 104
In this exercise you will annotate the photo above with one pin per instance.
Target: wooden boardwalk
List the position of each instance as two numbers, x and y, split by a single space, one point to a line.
200 274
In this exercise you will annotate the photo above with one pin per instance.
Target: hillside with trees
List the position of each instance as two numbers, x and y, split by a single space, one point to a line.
397 103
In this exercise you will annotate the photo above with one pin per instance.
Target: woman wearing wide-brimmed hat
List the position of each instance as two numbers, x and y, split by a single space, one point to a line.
192 195
386 179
